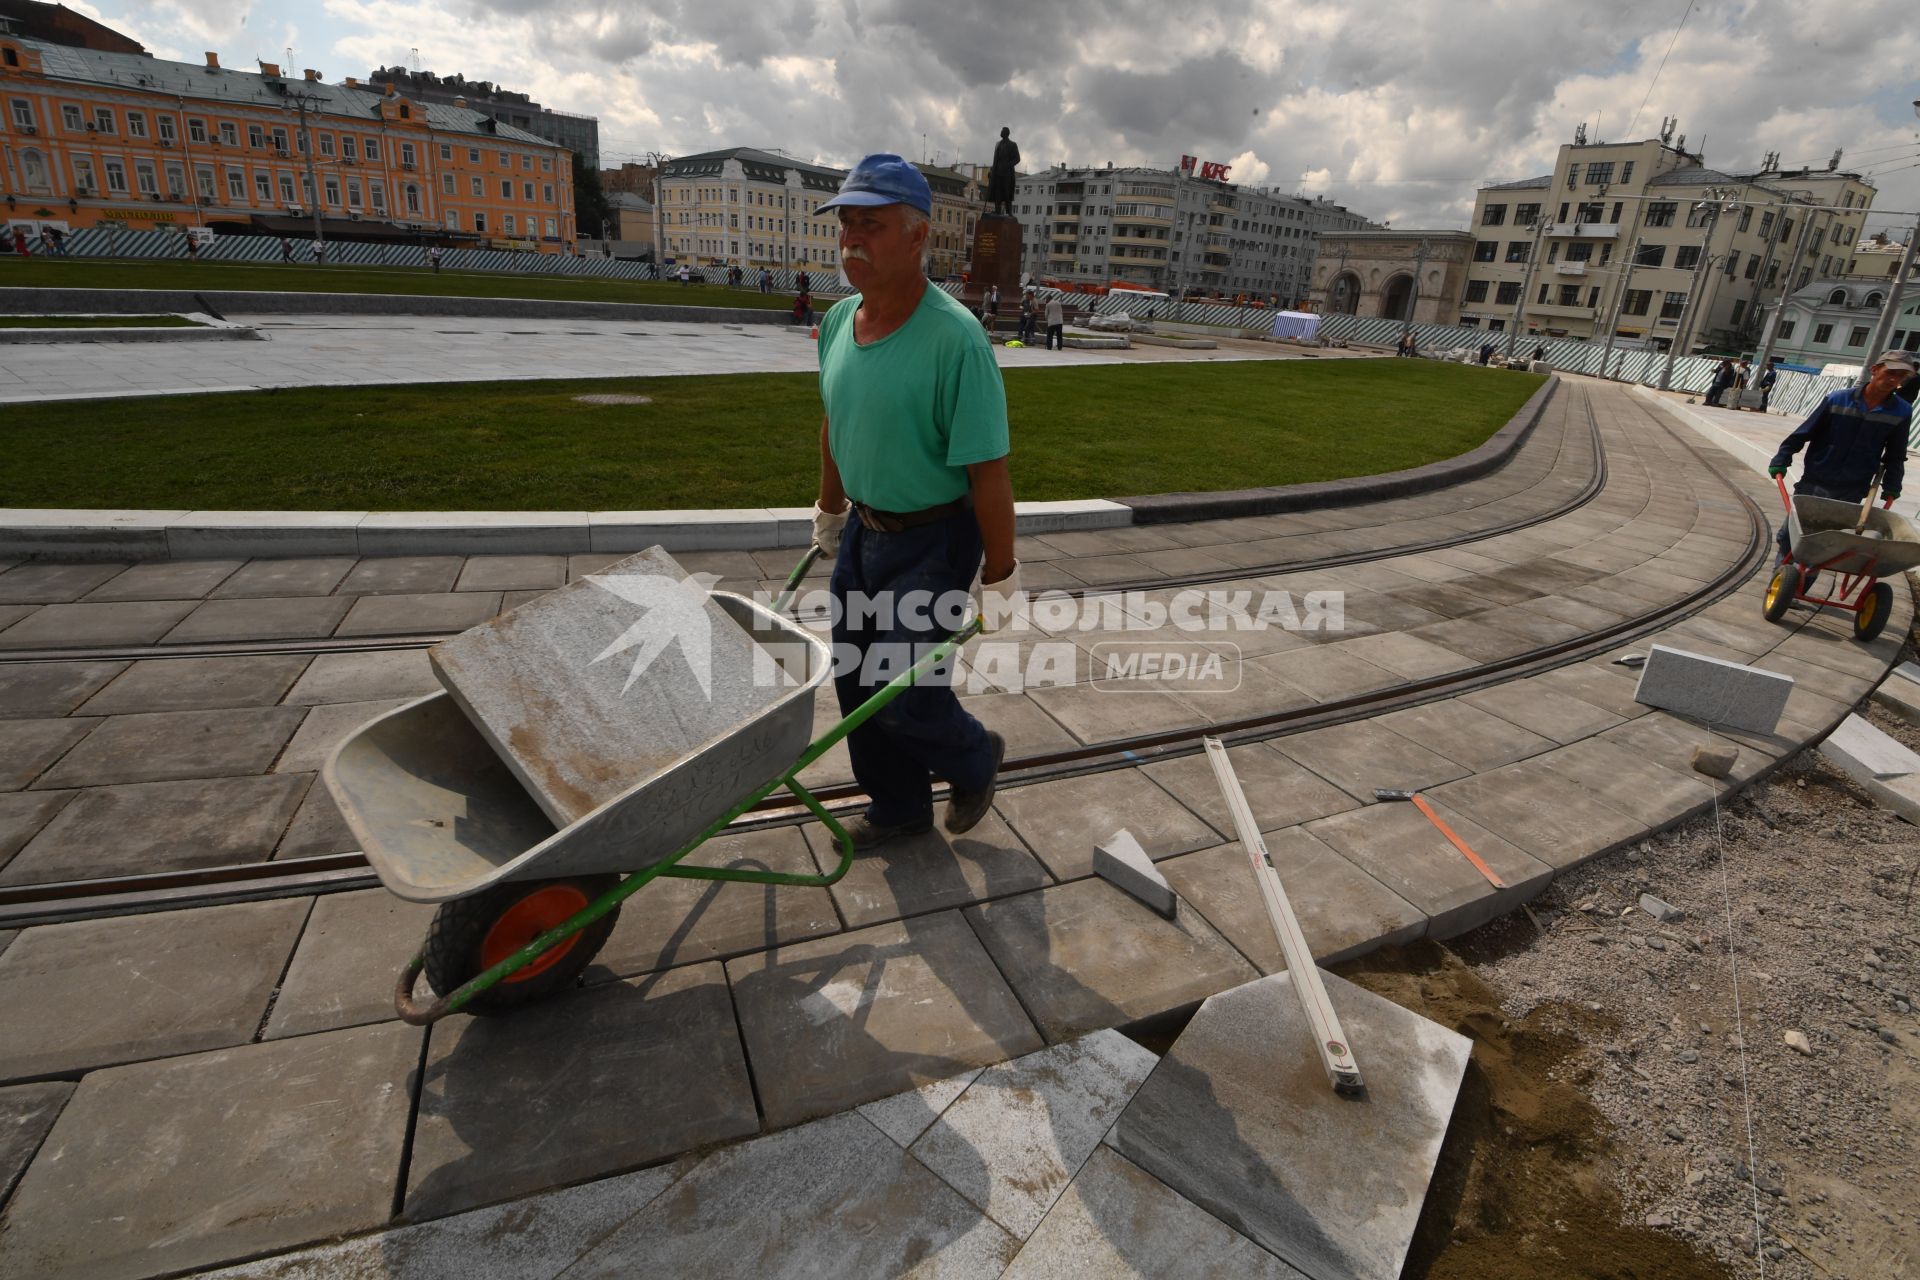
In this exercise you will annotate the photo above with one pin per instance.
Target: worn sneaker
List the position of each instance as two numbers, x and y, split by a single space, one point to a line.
867 833
966 808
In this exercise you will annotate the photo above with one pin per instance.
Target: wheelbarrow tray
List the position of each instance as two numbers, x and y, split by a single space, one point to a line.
1821 533
441 816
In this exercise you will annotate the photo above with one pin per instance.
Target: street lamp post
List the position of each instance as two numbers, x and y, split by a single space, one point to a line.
1413 298
1619 302
1786 289
1884 325
1690 313
1526 283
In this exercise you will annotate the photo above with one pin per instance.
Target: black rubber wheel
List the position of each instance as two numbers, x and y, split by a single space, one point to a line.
1874 610
468 934
1781 591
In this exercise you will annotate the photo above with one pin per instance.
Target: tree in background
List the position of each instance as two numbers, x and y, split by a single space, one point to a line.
591 211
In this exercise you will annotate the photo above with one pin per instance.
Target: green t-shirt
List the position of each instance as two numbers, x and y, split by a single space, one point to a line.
908 414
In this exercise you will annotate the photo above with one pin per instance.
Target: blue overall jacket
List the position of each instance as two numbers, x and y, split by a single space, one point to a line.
1846 442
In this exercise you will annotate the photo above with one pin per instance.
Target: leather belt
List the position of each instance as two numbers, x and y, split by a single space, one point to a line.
896 521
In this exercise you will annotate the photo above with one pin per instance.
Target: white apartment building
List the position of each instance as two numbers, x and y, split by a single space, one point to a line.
747 208
1168 230
1613 240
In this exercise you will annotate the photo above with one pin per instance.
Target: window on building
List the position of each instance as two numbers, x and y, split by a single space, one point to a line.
446 184
286 189
1650 255
1517 250
407 160
479 187
1686 257
333 189
553 228
136 124
526 191
546 165
1786 329
506 188
353 193
146 178
506 224
1766 223
1821 333
117 177
1753 265
326 143
229 133
1636 302
377 195
1746 216
280 141
263 188
1660 213
1626 171
1569 295
413 197
1599 171
1485 250
1673 305
370 148
479 222
83 175
526 162
1546 292
453 219
237 186
1580 251
1826 264
1733 263
1739 311
203 180
103 120
1493 215
1593 296
1573 175
196 130
546 192
1857 337
70 117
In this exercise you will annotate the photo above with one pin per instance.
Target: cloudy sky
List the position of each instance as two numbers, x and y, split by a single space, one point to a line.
1396 108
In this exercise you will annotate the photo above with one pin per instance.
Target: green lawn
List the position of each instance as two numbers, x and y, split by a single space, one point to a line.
734 440
95 322
94 273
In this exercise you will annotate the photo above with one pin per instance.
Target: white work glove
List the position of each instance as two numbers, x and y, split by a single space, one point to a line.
826 529
1001 604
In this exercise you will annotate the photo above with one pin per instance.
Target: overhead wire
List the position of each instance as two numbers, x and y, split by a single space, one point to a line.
1687 12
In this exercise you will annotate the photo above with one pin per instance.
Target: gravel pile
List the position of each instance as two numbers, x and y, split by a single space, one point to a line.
1821 886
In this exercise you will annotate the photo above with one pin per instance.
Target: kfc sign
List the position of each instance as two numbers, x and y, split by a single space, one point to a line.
1206 168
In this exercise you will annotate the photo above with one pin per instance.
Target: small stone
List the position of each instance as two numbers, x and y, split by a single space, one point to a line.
1706 1029
1674 1135
1693 986
1886 1035
1798 1042
1715 762
1775 1252
1657 944
1687 1055
1659 1221
1695 1177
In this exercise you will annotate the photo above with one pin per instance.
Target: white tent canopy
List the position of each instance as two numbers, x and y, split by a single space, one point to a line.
1295 324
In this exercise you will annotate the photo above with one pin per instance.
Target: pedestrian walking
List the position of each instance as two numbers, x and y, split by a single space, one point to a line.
1056 321
1723 377
803 309
1027 318
913 444
803 282
766 280
1400 347
1769 376
685 275
1486 352
55 241
286 249
433 258
320 251
20 242
1852 435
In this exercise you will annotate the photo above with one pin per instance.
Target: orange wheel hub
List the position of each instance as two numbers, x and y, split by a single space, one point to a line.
526 920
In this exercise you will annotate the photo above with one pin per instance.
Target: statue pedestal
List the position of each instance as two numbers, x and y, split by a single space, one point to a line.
996 260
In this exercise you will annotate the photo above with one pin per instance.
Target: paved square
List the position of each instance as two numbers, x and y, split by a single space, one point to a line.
94 992
166 580
53 583
29 746
285 578
1085 956
298 618
438 614
1061 821
160 826
839 1021
23 814
198 684
1281 791
1240 1119
930 872
166 745
402 575
353 947
517 1104
35 689
187 1162
65 626
27 1111
364 677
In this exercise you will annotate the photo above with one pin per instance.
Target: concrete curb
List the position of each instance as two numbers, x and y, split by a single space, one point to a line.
206 329
1167 508
199 535
250 302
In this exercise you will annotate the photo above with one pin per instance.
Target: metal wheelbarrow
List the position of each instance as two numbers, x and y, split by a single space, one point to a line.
524 904
1857 543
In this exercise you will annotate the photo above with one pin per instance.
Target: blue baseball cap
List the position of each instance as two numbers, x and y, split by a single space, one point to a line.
884 178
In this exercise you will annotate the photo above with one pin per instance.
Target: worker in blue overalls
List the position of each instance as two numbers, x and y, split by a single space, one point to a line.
1850 436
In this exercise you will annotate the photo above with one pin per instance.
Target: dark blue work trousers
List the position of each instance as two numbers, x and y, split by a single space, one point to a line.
924 732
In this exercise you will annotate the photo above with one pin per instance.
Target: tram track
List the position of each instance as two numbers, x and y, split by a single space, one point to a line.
33 904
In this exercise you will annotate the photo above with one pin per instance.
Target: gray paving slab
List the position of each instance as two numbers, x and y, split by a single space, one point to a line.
1281 791
192 1161
53 583
324 727
579 566
1328 672
832 1198
343 969
262 618
1117 1220
578 730
198 684
676 922
33 690
905 1116
12 613
96 992
1407 656
29 747
1653 791
1020 1132
1107 710
166 580
165 745
364 677
1060 821
399 615
1539 708
532 1239
1707 688
1343 911
1601 682
514 599
512 573
1084 956
1364 754
836 1022
1397 845
402 575
929 872
317 829
23 814
1463 732
1556 820
27 1112
514 1105
158 826
1238 1118
61 626
283 578
1028 729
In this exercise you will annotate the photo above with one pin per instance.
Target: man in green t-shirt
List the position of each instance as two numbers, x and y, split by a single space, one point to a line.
914 443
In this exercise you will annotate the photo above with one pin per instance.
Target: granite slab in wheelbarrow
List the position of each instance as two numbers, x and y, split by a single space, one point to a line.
594 688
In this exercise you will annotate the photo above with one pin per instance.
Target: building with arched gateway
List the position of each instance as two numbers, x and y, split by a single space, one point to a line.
1392 273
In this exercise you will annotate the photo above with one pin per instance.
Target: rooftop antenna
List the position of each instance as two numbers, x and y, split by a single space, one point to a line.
1580 134
1667 126
416 59
1833 161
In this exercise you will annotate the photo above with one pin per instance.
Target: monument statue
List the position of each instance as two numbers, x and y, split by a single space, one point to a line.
1006 155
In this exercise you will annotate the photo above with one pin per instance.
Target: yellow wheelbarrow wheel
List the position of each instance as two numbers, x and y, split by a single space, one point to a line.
1781 591
1871 619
